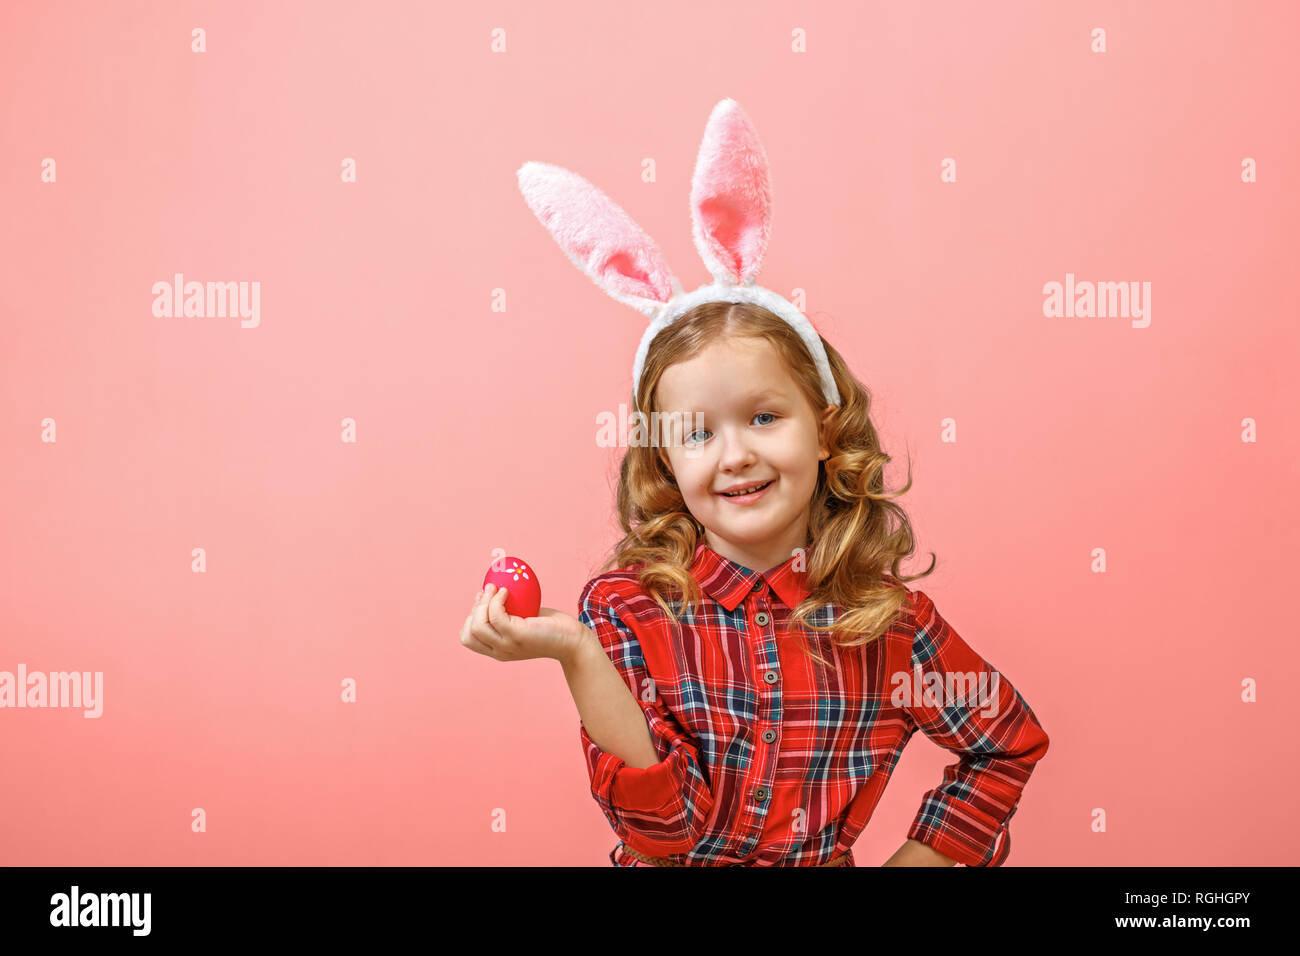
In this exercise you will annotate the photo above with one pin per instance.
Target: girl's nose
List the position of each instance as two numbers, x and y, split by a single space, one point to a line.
736 453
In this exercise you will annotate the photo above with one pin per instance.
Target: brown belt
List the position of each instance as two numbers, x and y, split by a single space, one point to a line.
841 859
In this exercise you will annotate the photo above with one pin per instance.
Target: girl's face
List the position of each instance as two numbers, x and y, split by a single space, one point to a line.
753 426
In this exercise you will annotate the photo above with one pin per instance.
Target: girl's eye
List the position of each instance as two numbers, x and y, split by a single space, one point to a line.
704 431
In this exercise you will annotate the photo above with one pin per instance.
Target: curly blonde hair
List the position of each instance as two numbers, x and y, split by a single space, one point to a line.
852 541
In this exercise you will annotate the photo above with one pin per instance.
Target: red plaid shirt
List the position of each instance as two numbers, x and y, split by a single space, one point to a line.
771 759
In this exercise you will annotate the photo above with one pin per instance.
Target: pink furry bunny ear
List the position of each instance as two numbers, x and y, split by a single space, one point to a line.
598 236
731 215
731 202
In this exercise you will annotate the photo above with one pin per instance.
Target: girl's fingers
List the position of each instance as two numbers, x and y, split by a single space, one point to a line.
480 632
474 644
482 628
497 615
467 631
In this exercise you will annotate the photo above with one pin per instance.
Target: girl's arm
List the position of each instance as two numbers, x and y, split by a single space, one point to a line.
608 710
915 853
646 771
977 714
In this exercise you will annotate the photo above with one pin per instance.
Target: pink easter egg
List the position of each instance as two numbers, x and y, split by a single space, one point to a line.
523 591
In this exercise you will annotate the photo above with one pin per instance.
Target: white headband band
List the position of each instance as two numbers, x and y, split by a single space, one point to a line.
731 216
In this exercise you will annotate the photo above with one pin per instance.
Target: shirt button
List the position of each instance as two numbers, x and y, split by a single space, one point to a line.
760 794
770 677
769 735
762 618
758 585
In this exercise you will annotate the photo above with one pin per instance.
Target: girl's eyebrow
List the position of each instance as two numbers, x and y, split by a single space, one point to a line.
752 397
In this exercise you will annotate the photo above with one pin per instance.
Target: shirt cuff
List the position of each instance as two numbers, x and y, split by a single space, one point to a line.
641 789
960 832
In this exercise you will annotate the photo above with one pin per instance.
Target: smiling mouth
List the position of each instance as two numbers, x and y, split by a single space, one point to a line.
751 495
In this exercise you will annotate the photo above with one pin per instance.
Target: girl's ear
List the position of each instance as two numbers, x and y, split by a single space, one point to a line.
827 413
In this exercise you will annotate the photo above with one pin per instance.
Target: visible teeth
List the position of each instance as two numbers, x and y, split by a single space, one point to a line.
745 491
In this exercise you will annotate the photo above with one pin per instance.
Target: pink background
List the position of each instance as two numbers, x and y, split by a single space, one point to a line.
328 560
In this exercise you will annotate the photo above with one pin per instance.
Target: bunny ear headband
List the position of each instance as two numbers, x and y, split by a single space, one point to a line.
731 218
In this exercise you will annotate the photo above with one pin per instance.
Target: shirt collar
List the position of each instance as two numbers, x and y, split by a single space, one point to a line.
728 582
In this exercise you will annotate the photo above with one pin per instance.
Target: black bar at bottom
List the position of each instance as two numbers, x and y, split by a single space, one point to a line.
943 906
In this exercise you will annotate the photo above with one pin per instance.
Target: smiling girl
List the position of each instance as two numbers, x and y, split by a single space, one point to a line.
745 673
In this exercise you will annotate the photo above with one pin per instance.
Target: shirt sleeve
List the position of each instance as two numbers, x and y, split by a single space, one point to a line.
663 808
967 817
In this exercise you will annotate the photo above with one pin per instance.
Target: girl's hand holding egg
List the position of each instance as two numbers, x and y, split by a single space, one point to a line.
495 630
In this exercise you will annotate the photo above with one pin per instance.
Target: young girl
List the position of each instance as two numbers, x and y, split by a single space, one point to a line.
749 673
